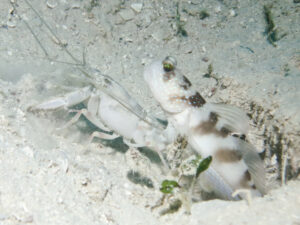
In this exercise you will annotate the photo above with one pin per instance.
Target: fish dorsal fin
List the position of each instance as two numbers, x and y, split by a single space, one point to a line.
255 165
230 117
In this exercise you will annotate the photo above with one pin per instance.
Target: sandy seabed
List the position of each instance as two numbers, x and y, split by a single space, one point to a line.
50 176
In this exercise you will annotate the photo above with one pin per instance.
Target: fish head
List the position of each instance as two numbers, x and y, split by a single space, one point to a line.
169 86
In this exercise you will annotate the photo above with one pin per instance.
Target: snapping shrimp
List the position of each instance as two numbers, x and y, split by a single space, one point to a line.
109 107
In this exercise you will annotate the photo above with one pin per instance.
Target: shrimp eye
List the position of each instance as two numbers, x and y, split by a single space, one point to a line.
169 64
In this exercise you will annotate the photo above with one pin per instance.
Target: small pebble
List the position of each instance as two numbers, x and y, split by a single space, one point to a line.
76 5
127 14
137 7
232 13
205 59
218 9
160 35
11 11
11 23
51 4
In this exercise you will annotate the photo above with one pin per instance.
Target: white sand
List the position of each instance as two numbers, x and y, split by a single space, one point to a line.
55 177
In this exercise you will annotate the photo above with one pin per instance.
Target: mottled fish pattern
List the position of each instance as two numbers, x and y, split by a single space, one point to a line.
211 129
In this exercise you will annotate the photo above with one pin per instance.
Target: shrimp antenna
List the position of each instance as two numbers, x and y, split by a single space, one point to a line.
57 39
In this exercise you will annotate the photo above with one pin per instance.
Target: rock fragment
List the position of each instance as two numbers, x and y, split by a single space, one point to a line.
127 14
137 7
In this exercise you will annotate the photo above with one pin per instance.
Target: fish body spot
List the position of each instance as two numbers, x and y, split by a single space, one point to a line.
227 156
209 127
196 100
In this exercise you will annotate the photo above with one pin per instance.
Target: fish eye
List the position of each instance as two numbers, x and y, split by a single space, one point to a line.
168 67
169 64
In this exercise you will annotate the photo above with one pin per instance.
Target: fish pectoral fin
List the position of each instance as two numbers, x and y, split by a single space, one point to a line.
211 179
230 117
